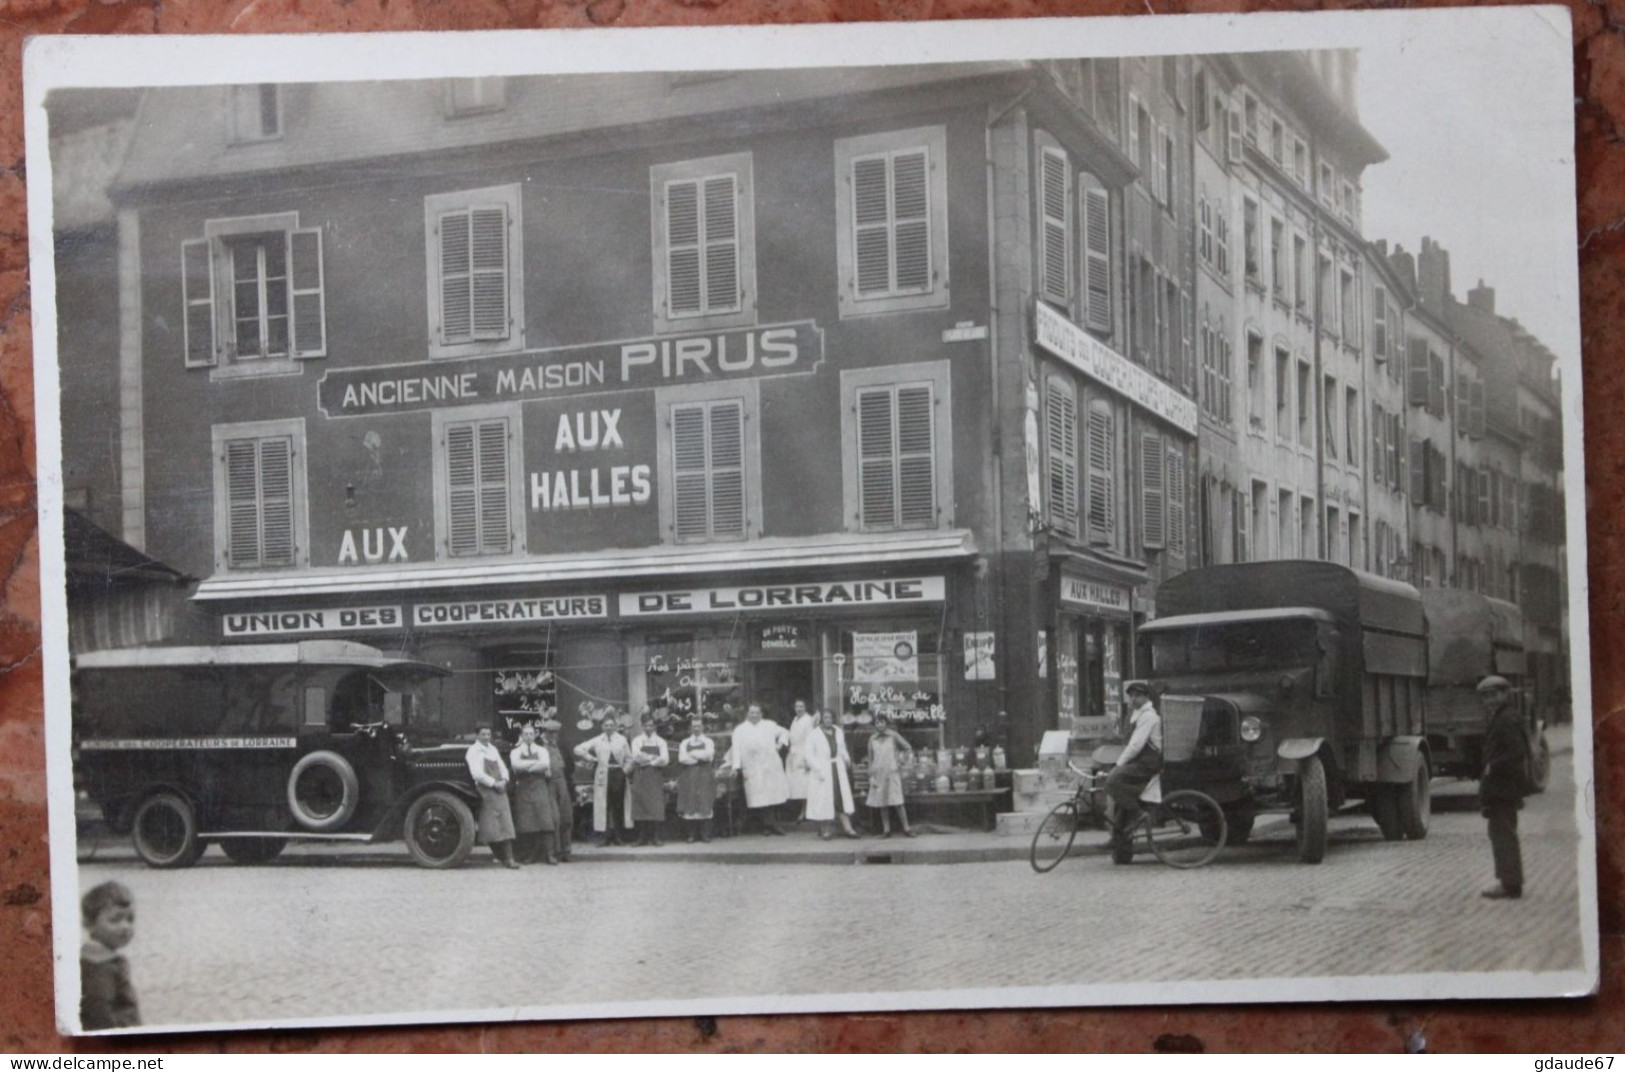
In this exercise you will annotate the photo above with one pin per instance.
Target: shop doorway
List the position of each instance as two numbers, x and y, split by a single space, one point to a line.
778 683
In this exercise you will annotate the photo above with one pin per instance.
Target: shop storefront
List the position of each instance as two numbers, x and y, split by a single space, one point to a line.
1093 653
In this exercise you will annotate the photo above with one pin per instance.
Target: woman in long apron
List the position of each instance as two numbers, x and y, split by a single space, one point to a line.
490 776
646 767
696 782
534 815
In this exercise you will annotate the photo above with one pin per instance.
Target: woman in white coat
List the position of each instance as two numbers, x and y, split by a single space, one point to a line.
827 764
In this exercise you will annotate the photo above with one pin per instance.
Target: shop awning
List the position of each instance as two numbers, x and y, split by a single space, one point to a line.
842 550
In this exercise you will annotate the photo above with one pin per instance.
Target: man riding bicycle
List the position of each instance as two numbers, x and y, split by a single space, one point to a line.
1140 761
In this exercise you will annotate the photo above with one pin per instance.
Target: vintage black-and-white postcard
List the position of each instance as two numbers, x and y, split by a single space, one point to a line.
604 523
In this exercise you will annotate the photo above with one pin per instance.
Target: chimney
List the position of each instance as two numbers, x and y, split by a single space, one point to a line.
1404 266
1433 275
1482 298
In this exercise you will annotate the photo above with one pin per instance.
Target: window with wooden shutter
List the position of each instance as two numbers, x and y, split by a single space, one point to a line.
892 234
307 293
1233 152
1379 323
1417 380
1153 492
897 456
708 471
197 286
1475 411
1176 499
1055 213
478 487
475 271
1101 445
702 246
1379 451
1486 497
1061 440
1396 441
1436 384
260 495
1097 256
1136 116
1243 538
1419 473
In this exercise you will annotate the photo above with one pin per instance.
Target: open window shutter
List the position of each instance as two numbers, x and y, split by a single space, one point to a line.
1379 457
1379 323
911 210
1416 388
1476 412
916 457
1234 144
197 287
1097 257
1436 384
1176 500
496 526
1056 254
1061 433
722 244
877 475
1419 476
1134 131
1464 406
1153 491
683 275
1396 441
1102 473
305 285
462 489
1187 321
456 278
1244 518
727 429
691 512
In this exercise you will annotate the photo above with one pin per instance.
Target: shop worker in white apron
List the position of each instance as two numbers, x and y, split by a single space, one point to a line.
826 765
646 769
490 776
754 753
611 810
795 771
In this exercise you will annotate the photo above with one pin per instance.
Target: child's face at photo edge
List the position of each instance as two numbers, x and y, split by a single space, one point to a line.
114 926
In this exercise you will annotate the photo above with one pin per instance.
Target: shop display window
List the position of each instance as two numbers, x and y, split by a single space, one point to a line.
524 689
687 673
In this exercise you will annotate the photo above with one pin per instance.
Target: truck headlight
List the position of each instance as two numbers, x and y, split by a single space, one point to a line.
1251 729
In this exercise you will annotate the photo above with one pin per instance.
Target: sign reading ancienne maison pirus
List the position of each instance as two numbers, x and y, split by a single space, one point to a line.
593 368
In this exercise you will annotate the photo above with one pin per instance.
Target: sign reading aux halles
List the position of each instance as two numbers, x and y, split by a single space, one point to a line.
780 596
595 368
1101 363
1094 595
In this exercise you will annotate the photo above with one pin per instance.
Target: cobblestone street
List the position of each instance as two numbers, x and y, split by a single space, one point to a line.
375 937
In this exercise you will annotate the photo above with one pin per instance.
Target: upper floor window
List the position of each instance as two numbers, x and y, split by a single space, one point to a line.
892 243
260 515
255 113
479 493
704 234
896 447
1061 443
710 460
1063 228
253 293
475 271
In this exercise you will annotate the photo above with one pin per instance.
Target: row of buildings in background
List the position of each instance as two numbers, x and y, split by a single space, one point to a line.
898 389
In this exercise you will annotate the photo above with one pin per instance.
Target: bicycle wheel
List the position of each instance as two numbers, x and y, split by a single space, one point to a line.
1187 829
1054 836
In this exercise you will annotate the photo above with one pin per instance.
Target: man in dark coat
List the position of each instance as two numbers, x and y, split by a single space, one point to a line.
1504 784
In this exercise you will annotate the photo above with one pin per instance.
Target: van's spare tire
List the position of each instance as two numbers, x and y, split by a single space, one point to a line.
323 791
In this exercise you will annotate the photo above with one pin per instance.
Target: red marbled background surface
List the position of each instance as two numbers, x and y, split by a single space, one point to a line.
26 1022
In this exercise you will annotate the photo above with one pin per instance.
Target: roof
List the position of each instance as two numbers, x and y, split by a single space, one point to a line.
184 133
95 556
1234 617
303 652
1348 594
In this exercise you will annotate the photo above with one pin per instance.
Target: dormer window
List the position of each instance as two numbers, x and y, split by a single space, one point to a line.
255 113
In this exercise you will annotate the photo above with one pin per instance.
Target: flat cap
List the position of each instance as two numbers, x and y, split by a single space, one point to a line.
1142 687
1494 681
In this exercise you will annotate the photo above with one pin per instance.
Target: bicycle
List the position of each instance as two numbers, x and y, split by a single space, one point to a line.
1185 828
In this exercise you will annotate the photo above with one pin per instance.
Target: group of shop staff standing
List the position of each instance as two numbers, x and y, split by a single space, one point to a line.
526 815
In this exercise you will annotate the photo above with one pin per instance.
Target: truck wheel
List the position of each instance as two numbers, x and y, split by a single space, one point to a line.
252 850
439 830
1416 802
1384 802
1312 811
165 832
323 791
1542 769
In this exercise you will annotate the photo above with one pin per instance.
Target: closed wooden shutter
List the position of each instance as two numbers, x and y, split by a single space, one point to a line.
1416 384
897 457
1055 253
474 274
877 477
1097 257
708 470
197 287
916 457
1061 436
1176 499
305 286
1419 475
1102 473
891 219
1153 491
702 246
911 211
259 502
478 499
